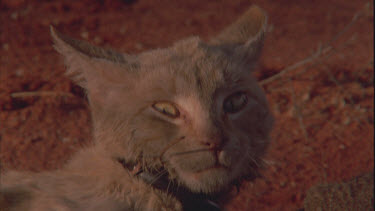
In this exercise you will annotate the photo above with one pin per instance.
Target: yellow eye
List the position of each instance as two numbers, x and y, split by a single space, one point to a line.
235 102
167 109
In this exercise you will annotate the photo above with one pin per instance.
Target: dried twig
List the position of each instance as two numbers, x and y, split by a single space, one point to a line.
321 50
41 94
321 59
292 67
299 113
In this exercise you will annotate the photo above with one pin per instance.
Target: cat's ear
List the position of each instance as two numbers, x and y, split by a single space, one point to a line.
246 35
85 61
95 69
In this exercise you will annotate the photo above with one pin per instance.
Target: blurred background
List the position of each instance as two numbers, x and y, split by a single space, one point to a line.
317 69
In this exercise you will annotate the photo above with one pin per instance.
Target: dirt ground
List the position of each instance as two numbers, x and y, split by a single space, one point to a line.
324 108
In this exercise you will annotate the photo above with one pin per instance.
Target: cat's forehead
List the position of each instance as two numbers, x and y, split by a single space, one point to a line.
191 65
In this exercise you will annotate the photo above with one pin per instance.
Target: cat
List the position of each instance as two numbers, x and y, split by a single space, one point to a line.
173 128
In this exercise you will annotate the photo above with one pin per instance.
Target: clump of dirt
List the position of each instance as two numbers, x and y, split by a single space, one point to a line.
356 194
324 109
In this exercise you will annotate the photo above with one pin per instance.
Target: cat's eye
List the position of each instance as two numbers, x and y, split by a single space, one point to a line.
235 102
167 109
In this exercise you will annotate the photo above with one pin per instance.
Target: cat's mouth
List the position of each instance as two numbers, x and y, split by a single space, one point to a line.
216 166
208 160
208 171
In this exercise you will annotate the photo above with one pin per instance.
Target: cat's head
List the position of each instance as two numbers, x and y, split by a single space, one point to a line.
193 110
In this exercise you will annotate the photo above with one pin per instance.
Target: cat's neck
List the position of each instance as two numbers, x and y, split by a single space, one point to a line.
94 158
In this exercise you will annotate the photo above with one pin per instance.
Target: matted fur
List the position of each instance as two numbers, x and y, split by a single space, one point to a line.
204 149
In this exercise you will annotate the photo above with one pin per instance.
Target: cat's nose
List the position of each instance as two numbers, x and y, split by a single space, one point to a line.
213 142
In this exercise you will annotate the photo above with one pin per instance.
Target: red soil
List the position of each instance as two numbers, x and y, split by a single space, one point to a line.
324 116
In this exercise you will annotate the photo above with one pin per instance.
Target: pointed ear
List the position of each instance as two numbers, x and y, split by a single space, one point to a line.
82 59
245 36
95 69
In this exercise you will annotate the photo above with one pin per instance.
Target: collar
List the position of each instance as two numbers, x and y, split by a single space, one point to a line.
190 201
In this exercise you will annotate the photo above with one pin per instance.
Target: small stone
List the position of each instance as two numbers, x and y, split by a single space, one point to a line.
139 46
306 97
97 40
19 72
123 30
342 104
6 46
36 58
85 35
188 21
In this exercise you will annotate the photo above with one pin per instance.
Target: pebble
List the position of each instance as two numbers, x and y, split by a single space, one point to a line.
347 121
65 139
14 16
19 72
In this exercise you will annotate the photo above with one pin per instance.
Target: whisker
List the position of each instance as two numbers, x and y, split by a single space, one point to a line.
151 179
169 146
152 138
131 139
258 163
158 176
178 186
143 161
254 165
251 167
190 151
269 163
170 181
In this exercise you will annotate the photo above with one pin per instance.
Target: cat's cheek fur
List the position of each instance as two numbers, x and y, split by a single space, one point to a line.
231 154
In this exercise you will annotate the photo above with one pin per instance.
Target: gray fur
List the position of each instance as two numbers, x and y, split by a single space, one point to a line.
194 76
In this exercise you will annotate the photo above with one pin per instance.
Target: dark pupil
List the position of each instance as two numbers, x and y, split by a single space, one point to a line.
235 103
229 105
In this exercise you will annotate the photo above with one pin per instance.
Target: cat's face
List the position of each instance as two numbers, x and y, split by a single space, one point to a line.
193 109
202 114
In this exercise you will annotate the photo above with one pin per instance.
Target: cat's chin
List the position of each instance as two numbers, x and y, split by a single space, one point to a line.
209 181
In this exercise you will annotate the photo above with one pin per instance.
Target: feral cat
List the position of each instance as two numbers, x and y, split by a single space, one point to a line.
173 127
